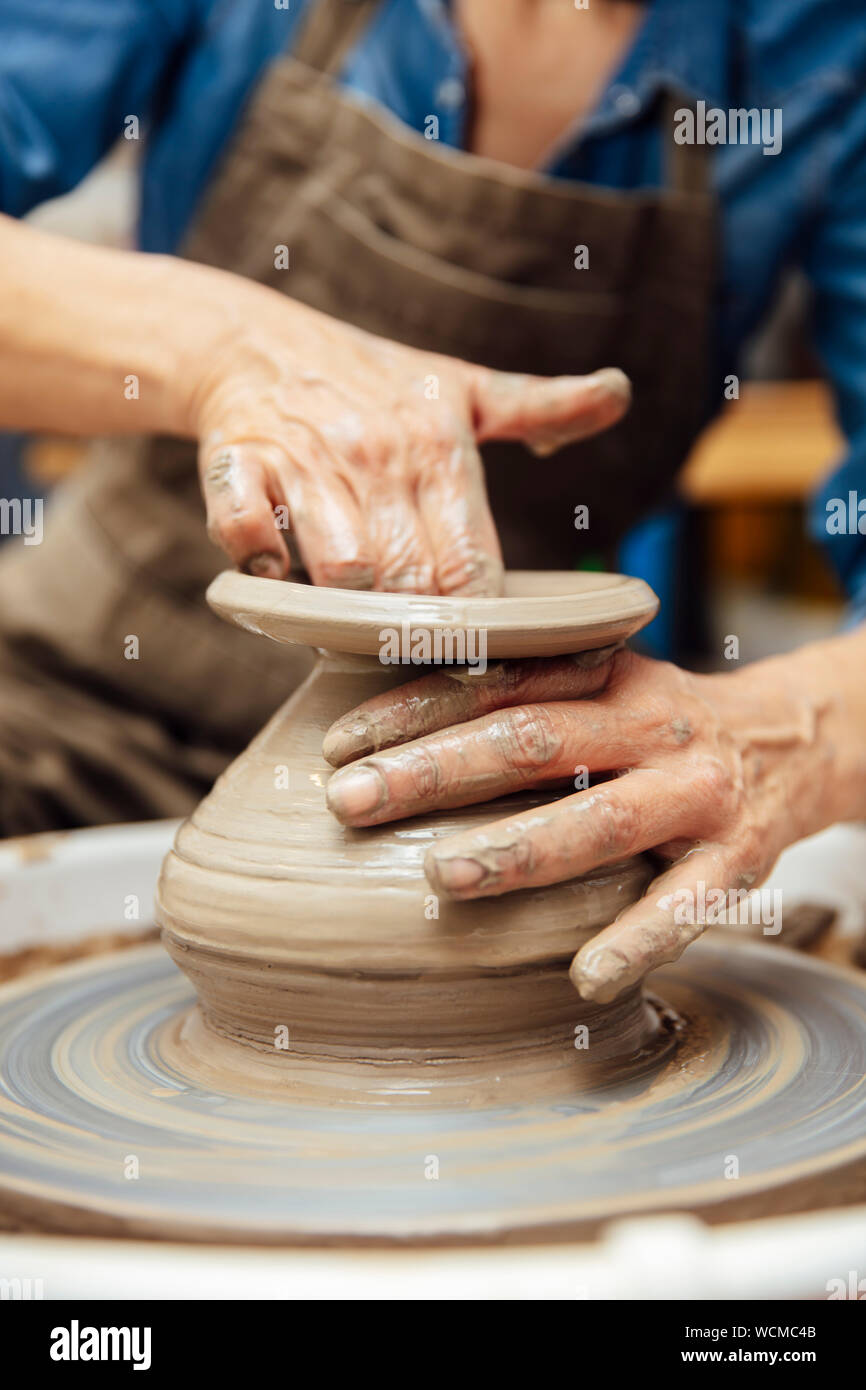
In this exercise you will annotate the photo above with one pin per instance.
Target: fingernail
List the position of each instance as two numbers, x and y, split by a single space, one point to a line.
456 875
343 742
264 566
613 380
356 792
600 978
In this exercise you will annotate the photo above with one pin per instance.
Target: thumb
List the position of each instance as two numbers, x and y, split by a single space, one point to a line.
547 412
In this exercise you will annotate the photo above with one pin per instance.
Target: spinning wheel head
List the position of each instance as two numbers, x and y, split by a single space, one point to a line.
97 1063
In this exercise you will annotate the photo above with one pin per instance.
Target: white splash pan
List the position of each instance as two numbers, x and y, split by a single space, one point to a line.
56 889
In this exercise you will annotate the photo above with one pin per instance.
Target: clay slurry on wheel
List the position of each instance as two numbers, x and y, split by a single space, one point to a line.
340 1064
95 1068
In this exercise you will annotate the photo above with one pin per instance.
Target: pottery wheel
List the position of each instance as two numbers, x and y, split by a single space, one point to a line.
101 1130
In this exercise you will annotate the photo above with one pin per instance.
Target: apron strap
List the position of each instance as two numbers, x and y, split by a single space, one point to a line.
329 30
687 167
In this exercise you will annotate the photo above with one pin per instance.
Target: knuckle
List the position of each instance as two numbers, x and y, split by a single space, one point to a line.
618 825
440 432
529 739
431 438
425 774
220 470
514 854
408 578
380 446
372 446
713 784
523 859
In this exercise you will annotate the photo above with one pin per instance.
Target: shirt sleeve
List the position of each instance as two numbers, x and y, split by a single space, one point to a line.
836 265
71 72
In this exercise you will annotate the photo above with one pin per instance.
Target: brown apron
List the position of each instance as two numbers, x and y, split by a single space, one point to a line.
398 235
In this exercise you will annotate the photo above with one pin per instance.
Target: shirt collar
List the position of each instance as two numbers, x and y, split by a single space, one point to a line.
690 47
682 46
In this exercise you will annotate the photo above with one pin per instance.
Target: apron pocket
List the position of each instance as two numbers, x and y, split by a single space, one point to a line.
398 291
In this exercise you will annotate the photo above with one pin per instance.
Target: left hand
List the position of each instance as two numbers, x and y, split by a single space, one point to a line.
717 774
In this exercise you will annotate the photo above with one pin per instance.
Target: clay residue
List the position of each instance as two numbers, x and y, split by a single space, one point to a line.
238 1144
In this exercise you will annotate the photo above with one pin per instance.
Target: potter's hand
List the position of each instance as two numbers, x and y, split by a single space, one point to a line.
369 451
718 774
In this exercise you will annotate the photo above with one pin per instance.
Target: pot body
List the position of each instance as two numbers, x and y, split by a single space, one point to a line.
301 934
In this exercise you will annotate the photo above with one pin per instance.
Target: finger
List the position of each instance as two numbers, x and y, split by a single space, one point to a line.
499 753
452 500
654 930
453 697
330 530
547 412
240 509
404 559
566 839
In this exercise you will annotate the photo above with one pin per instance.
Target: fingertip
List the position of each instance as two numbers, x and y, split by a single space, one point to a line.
251 540
415 579
240 516
254 543
431 872
457 876
341 574
614 382
333 748
481 576
356 795
266 565
343 743
599 975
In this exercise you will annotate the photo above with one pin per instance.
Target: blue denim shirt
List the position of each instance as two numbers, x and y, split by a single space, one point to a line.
70 73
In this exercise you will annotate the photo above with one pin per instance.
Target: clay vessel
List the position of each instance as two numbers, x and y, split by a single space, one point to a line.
305 939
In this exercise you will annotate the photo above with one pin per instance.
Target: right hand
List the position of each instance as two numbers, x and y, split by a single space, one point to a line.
383 486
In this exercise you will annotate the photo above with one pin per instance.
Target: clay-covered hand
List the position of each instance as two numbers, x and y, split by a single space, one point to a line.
716 775
364 452
368 451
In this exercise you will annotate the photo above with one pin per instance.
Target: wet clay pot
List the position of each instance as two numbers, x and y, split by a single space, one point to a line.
305 939
349 1043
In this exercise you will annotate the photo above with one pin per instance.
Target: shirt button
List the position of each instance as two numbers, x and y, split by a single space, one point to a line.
625 100
450 93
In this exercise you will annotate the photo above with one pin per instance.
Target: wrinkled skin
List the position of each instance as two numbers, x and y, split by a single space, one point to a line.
717 774
360 451
371 450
